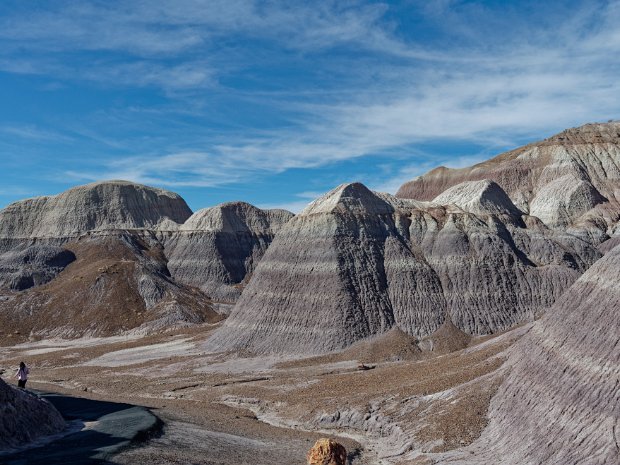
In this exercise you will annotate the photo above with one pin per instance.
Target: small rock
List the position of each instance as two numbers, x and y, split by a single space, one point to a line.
327 452
363 367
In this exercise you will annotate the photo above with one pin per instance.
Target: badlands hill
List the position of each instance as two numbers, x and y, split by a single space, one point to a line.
217 248
117 282
568 181
100 206
484 248
115 256
487 247
560 402
356 263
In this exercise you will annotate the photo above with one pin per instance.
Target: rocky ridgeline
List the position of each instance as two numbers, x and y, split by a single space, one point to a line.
132 257
569 181
99 206
560 402
25 418
487 247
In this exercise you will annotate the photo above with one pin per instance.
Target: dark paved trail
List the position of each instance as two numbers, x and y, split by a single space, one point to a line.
110 427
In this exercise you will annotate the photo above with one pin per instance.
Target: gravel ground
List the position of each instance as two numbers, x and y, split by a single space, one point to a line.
231 409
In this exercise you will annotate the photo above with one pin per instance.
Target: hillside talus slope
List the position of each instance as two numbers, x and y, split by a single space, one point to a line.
356 263
560 403
569 181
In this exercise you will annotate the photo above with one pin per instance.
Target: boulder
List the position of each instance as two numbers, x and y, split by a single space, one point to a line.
327 452
24 417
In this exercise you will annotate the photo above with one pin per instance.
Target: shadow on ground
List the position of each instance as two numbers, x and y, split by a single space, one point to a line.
108 428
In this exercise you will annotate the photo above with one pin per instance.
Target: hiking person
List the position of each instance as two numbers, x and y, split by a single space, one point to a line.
22 375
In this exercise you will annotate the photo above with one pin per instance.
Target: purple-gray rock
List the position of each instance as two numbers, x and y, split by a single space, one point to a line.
355 263
217 248
115 256
25 267
100 206
118 283
568 181
560 402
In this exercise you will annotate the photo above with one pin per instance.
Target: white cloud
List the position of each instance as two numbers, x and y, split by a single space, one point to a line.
185 169
176 45
34 133
392 183
491 88
162 28
404 174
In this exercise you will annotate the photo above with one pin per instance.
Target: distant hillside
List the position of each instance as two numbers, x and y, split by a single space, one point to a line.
570 180
112 257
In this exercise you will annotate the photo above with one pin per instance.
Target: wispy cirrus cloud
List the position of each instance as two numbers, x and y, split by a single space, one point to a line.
34 133
394 181
300 201
159 28
176 44
268 87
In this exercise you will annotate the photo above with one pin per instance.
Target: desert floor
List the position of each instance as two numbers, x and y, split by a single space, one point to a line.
231 408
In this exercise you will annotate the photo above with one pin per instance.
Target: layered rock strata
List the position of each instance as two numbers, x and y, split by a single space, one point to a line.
32 265
355 263
560 402
115 256
569 181
217 248
109 205
84 262
117 283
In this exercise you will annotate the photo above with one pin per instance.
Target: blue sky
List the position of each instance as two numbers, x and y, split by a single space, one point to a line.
275 103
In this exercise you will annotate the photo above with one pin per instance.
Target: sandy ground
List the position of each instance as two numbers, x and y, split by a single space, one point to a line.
235 409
